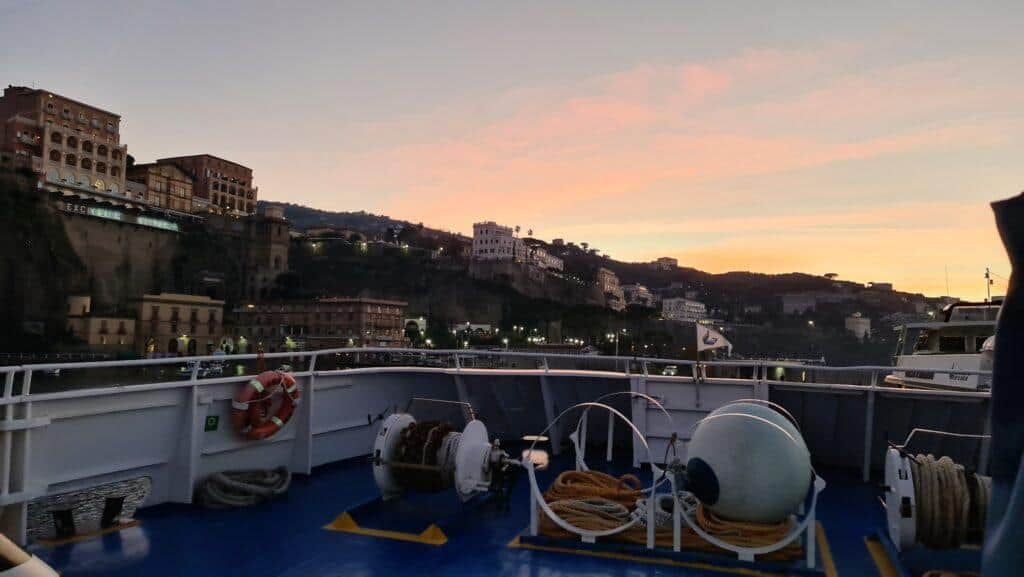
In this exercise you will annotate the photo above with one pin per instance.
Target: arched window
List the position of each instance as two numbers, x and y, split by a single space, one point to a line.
87 146
115 170
101 150
86 163
116 154
277 263
192 345
72 142
172 346
99 185
56 137
114 189
101 167
55 155
71 159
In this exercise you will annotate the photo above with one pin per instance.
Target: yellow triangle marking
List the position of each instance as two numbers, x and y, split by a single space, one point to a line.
432 535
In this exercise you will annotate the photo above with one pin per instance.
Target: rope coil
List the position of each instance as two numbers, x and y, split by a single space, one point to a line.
429 447
597 501
243 488
952 504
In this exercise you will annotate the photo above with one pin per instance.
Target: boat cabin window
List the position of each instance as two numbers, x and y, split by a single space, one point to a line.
956 344
923 342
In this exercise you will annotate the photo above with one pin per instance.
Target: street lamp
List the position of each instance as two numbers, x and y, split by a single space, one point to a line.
505 341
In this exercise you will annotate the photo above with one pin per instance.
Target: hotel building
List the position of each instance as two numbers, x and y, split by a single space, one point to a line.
218 185
74 147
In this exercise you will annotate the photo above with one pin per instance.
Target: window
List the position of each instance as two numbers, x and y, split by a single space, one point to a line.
87 164
952 345
56 137
55 155
110 127
81 117
115 171
49 107
101 150
87 146
101 167
72 142
71 160
99 185
116 154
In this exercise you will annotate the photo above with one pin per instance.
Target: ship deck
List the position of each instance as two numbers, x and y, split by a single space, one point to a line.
286 537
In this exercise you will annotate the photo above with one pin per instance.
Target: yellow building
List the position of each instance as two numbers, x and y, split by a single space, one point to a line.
167 185
178 324
100 332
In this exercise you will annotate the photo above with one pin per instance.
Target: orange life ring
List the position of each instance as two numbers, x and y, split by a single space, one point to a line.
250 405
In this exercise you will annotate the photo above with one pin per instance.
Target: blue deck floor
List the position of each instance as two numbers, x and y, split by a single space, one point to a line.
286 538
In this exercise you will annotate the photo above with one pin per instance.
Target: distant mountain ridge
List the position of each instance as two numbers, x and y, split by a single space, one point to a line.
753 286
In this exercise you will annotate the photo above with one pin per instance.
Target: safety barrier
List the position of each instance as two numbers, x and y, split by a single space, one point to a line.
177 431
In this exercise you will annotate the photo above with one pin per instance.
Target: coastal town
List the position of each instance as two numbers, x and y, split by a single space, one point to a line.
179 256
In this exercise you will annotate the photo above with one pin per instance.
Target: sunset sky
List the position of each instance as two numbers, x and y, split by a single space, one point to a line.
817 137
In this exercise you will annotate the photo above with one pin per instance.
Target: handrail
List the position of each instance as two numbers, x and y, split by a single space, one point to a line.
474 353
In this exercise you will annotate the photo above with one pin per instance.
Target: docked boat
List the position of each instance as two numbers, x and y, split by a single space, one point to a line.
952 353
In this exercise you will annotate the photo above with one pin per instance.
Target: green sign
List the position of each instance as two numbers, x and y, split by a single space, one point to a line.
211 423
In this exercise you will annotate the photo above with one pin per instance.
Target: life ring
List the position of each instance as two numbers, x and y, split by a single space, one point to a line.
250 405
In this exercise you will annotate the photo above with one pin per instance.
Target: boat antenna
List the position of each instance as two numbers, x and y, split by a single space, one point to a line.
947 280
988 284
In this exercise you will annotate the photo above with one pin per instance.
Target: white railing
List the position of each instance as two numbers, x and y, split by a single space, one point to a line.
330 424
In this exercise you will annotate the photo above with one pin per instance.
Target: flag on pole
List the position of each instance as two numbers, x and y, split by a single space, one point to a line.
708 339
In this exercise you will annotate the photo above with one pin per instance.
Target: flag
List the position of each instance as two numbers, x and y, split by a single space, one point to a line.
708 339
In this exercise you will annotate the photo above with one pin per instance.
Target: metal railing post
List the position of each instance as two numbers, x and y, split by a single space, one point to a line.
869 426
302 453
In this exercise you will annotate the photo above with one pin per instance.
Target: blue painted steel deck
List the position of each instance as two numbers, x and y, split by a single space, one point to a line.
286 538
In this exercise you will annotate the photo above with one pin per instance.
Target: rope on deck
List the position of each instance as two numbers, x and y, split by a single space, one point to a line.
596 501
232 489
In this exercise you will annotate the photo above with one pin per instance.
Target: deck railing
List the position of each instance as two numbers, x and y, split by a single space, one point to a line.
187 397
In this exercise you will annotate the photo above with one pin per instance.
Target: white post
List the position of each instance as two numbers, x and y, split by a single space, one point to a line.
302 453
869 426
611 435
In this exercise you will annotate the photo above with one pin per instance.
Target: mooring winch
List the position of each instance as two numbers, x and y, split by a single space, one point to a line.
433 455
936 503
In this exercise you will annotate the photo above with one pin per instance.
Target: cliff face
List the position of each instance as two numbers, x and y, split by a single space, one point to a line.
38 267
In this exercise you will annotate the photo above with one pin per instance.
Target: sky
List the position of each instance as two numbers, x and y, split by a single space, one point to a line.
865 139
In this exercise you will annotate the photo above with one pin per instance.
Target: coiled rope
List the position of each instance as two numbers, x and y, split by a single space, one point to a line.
243 488
597 501
952 504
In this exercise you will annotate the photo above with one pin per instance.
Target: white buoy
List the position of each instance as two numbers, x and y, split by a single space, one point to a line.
748 462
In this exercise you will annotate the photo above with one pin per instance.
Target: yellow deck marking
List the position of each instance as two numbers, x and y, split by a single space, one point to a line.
826 551
881 559
344 523
87 536
826 556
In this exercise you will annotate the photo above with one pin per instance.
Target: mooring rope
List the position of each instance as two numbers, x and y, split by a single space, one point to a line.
952 504
243 488
597 501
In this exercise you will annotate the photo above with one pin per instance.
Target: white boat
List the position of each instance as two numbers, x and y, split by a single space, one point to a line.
963 341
